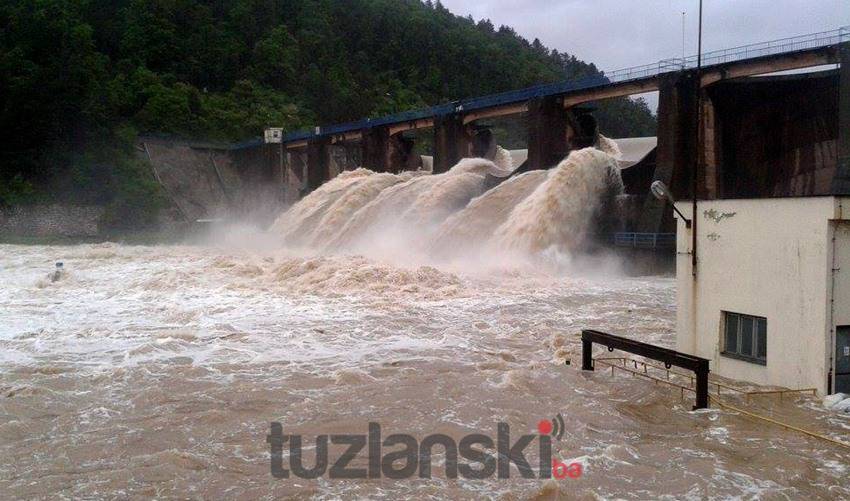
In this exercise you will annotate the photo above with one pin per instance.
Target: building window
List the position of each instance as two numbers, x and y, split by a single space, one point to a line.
745 337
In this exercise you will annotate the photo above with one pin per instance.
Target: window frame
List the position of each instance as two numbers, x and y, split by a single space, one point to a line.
756 334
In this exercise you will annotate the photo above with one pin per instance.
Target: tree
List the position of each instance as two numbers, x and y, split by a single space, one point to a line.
275 60
74 91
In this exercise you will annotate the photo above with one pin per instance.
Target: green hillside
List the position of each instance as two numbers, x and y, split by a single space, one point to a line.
79 79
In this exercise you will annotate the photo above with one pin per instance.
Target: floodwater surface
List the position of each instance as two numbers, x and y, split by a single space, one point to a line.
159 370
156 371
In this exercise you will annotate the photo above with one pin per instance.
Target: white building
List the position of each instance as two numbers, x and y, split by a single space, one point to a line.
770 300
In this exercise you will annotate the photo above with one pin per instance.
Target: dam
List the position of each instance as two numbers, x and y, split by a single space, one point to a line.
706 149
445 296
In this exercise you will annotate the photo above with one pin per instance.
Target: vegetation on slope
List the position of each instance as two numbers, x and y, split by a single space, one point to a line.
79 79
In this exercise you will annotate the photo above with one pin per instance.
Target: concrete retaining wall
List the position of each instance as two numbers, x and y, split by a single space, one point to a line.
50 220
209 182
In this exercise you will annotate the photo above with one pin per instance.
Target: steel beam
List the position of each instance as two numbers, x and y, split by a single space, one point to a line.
501 111
609 91
668 357
412 125
296 145
770 64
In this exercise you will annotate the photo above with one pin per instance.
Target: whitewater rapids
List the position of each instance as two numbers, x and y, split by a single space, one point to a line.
154 371
453 215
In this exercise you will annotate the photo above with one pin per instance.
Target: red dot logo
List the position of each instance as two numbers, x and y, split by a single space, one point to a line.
544 427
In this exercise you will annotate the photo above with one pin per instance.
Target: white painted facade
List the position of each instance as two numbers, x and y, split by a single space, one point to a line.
784 259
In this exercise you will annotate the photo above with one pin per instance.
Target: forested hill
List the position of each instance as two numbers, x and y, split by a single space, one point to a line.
81 77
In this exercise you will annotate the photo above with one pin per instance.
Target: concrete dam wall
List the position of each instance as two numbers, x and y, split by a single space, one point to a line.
209 182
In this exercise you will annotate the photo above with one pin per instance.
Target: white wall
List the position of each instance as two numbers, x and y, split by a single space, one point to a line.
766 257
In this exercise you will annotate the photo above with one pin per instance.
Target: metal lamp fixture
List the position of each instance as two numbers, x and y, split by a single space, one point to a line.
662 192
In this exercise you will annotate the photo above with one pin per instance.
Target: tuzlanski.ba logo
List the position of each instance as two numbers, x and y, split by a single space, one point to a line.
400 455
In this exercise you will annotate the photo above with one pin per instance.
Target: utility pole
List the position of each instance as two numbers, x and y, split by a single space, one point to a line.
698 159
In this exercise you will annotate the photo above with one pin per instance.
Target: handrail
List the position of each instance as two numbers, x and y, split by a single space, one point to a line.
645 240
667 356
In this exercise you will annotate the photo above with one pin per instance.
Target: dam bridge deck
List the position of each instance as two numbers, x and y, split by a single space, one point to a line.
776 55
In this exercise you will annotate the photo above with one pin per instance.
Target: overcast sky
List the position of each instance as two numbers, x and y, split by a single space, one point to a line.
617 34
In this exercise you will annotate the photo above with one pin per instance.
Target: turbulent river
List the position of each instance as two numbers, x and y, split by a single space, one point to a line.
157 370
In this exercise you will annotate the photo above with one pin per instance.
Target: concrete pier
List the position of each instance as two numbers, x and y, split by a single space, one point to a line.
548 124
318 162
452 141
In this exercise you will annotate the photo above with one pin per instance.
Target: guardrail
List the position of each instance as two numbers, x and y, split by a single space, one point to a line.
750 51
645 240
666 356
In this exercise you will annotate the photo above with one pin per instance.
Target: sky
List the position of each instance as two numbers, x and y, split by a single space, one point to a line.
616 34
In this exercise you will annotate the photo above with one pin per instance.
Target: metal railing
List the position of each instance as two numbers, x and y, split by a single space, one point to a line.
722 56
645 240
699 365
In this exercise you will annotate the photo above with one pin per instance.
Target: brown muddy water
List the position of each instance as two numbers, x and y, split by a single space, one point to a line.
155 371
